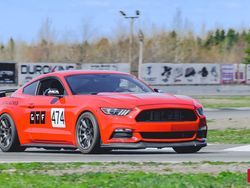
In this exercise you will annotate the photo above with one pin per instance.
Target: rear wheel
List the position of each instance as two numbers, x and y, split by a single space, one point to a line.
87 133
9 141
190 149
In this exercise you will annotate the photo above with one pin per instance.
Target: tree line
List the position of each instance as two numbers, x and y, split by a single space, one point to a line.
162 46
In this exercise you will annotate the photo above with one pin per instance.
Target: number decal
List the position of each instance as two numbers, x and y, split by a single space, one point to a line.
57 117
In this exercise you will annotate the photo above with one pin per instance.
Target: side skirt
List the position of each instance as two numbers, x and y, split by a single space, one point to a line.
49 146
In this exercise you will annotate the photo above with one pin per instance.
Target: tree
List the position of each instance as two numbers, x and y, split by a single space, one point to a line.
178 21
219 36
1 48
209 40
231 38
246 59
11 48
46 31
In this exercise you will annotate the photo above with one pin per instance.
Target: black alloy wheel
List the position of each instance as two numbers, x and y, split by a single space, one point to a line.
9 141
87 133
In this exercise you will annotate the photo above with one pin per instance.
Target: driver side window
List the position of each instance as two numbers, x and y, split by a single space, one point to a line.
50 83
129 86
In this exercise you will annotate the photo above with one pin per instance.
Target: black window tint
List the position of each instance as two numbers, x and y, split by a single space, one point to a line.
50 83
30 89
97 83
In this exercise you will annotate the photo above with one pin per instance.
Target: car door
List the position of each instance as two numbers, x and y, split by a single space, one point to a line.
47 122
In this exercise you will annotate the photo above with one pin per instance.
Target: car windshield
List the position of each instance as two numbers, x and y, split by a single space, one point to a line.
98 83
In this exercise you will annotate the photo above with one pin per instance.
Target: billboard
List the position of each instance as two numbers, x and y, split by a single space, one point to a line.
239 73
233 73
28 71
227 73
7 73
174 74
248 74
122 67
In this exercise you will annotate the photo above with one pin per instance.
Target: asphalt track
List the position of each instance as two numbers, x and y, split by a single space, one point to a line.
224 153
213 152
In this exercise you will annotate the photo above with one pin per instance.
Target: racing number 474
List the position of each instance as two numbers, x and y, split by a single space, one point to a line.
57 117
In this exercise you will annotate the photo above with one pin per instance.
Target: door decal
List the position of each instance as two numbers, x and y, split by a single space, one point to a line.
37 117
57 117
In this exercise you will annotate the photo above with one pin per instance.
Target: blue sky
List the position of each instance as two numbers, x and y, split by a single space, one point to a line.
22 19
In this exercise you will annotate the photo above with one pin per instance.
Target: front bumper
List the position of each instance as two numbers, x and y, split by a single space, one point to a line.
143 145
151 134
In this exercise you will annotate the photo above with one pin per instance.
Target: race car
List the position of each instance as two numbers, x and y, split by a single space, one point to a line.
96 111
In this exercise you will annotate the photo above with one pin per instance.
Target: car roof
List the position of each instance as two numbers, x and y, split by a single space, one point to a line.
75 72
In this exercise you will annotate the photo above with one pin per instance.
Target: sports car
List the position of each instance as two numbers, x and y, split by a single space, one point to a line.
96 111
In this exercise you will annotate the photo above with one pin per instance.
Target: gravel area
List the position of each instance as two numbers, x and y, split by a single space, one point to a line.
148 168
229 123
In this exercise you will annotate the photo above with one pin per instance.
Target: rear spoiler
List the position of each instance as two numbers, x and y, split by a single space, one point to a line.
6 91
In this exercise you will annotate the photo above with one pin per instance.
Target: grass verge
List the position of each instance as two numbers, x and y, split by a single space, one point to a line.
130 179
229 136
224 101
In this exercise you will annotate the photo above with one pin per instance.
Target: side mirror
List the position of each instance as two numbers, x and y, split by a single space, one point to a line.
52 92
157 90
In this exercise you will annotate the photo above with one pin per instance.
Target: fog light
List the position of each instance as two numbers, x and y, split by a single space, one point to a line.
122 133
123 130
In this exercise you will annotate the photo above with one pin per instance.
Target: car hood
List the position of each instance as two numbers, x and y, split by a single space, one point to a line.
132 99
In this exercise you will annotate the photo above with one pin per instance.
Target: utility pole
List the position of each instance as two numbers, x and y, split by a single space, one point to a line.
131 37
141 44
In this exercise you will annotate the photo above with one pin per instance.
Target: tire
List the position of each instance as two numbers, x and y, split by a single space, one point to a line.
87 133
190 149
9 141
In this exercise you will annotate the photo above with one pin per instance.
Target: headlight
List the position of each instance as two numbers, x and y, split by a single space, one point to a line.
116 111
200 111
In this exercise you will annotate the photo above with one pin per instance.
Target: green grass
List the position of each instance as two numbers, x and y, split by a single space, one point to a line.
131 179
224 101
22 175
46 166
40 166
229 136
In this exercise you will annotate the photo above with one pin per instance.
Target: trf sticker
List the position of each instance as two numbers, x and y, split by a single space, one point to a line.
32 117
57 117
37 117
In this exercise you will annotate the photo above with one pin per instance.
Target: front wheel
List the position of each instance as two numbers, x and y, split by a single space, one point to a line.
87 133
189 149
9 141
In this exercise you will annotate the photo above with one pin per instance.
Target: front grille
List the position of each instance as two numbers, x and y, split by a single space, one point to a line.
166 115
167 135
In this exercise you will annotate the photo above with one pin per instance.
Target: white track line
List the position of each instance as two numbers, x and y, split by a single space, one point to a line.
239 148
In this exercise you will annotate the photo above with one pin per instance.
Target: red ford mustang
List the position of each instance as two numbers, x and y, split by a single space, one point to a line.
96 111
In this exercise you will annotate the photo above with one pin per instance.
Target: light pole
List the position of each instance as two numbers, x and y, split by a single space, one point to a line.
141 42
131 18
